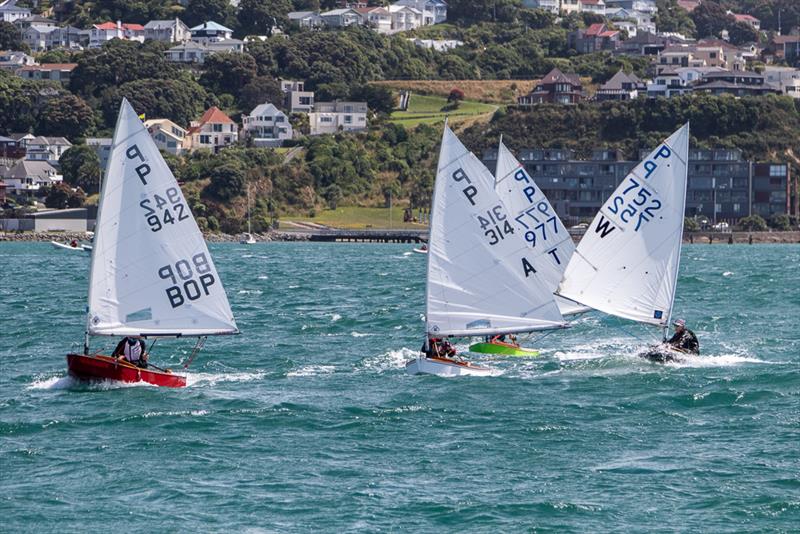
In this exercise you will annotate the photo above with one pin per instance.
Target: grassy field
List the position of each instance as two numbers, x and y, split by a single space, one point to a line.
427 109
354 218
489 91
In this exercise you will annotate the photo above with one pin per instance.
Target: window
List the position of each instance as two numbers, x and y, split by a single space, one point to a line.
205 139
216 127
777 170
305 100
279 118
348 119
326 119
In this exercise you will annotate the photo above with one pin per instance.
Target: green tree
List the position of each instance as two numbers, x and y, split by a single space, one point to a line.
227 182
690 224
228 72
753 223
710 19
66 115
259 90
378 98
18 103
61 196
258 16
11 37
670 17
781 222
219 11
80 166
483 10
741 33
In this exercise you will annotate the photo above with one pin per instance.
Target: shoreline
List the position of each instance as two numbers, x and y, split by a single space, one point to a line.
714 238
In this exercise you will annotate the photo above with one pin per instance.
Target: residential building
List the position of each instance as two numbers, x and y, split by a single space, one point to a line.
405 18
27 22
306 19
556 87
266 125
168 136
341 18
787 48
734 83
196 52
667 83
595 38
440 45
102 147
214 130
167 31
597 7
296 98
377 18
643 12
433 11
332 117
787 79
689 5
208 32
26 177
570 6
722 186
38 37
102 33
11 60
10 11
553 6
49 149
747 19
59 72
621 86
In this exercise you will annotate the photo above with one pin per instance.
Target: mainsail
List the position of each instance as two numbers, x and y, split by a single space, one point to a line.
627 263
151 271
480 280
551 246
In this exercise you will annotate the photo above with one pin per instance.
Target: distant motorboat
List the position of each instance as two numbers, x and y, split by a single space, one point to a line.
248 239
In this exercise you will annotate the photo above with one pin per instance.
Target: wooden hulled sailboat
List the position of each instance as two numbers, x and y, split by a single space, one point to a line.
480 279
151 274
627 262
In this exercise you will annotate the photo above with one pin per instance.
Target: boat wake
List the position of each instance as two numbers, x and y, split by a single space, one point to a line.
312 370
210 379
720 360
392 360
71 383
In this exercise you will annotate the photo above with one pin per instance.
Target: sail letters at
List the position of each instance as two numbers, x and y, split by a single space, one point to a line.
190 286
143 169
470 191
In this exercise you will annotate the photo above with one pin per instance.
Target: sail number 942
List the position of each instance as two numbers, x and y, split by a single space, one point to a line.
160 211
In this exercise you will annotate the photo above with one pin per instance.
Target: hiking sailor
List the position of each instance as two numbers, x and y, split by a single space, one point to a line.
684 339
132 349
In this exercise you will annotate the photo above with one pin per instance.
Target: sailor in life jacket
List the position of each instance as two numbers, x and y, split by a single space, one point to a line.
132 349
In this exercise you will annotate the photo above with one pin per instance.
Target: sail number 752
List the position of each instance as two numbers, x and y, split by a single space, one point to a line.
166 210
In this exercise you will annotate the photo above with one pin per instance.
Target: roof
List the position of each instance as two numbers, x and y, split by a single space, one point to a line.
618 79
161 24
266 109
367 10
210 25
737 74
744 17
113 26
214 114
36 18
337 12
556 75
298 15
51 66
590 2
11 5
786 39
688 5
37 169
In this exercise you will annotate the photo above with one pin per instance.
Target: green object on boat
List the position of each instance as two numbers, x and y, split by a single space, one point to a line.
504 349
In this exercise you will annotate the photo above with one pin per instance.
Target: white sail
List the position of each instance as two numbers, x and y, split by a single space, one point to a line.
551 246
627 263
151 271
478 280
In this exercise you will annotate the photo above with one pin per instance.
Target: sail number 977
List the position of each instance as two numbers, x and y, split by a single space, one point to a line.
535 220
166 211
495 224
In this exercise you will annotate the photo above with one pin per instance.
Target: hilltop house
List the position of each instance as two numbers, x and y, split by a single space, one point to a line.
556 87
332 117
597 7
167 31
747 19
102 147
194 52
209 32
27 177
214 130
433 11
306 19
9 11
296 98
167 135
740 83
377 18
785 78
405 18
102 33
340 18
267 126
595 38
49 149
12 60
59 72
621 86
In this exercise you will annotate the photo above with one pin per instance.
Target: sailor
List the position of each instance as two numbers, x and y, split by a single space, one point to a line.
132 349
684 339
438 348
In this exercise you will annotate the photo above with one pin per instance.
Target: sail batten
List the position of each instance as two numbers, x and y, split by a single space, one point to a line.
151 273
477 284
627 262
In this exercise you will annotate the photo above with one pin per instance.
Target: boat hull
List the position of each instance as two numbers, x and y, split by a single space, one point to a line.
445 367
503 348
64 246
421 250
662 354
101 367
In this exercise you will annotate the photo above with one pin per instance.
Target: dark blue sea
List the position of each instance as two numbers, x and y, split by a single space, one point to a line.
308 422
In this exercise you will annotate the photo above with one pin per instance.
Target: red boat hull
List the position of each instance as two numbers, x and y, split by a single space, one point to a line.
101 367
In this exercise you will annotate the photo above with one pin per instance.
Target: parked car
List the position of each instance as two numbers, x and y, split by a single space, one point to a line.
721 227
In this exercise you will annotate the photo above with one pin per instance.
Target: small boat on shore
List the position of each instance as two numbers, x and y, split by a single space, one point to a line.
151 275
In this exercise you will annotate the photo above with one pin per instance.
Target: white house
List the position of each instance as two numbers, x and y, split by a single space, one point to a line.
167 31
102 147
213 131
553 6
167 135
102 33
440 45
433 11
26 177
306 19
49 149
59 72
598 7
405 18
377 18
209 32
787 78
267 126
9 11
340 18
194 52
296 98
11 60
38 37
332 117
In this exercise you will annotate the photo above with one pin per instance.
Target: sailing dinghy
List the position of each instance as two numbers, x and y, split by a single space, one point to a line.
627 262
480 281
541 230
151 274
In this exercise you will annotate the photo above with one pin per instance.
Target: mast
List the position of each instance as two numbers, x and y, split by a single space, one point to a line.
248 210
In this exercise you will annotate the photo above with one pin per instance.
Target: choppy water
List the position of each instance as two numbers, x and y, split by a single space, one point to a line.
307 421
